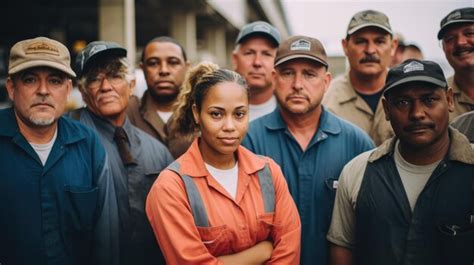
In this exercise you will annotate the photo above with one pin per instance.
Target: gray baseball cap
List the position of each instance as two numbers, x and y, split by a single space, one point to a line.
461 15
259 28
95 49
369 18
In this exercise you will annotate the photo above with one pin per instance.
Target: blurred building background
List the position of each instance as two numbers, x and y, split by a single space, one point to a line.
206 29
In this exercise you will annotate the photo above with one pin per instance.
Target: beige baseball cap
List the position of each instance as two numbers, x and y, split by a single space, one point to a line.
369 18
301 47
39 51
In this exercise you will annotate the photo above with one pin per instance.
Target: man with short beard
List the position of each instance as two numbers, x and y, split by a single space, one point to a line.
57 198
356 96
164 65
457 37
309 143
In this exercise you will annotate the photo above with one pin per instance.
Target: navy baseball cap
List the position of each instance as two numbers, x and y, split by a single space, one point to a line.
259 28
413 70
461 15
95 50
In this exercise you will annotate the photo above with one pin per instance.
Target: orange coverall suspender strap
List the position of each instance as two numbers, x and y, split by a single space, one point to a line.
197 205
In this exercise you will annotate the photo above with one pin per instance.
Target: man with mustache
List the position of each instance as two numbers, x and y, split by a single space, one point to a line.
409 201
57 198
307 141
253 59
164 64
457 38
106 81
356 96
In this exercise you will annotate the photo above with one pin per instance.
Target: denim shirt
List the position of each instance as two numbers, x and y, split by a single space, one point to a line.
64 212
311 174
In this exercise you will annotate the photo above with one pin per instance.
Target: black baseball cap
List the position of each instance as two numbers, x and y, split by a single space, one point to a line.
413 70
95 50
461 15
259 28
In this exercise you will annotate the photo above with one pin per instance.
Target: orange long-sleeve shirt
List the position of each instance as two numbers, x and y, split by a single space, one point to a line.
234 225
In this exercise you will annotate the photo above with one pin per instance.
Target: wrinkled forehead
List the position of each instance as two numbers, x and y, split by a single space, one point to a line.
163 50
41 70
415 89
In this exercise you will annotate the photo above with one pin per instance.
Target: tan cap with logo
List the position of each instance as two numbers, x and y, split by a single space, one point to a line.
301 47
39 51
369 18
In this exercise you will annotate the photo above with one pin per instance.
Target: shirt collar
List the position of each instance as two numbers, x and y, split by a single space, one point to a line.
349 93
108 129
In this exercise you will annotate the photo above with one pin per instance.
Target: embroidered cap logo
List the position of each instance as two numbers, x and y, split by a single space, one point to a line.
300 45
42 47
413 66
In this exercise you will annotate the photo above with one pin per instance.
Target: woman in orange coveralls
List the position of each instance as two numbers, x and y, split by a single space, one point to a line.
245 221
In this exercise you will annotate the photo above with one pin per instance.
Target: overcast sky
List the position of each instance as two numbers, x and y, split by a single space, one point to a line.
417 20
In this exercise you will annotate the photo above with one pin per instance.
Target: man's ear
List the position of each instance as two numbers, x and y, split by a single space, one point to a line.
450 98
327 80
344 44
234 60
10 88
394 46
133 85
386 108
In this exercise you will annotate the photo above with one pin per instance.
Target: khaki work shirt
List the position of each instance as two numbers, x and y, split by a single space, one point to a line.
462 102
342 100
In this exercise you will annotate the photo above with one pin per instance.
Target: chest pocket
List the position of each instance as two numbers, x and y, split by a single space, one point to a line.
216 238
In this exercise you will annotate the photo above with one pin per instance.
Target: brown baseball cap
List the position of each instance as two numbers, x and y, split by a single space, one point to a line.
297 47
369 18
39 51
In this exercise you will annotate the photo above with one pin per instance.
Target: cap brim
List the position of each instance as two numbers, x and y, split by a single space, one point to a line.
300 56
40 63
350 32
442 31
411 79
117 51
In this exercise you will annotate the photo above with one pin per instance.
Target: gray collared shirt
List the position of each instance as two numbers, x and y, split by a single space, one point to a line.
132 183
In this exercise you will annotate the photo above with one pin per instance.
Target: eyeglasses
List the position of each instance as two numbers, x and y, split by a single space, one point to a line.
94 82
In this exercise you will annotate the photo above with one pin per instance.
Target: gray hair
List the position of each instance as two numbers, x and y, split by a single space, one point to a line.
108 64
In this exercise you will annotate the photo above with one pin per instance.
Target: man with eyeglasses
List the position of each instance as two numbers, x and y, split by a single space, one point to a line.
311 144
457 38
106 82
57 198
